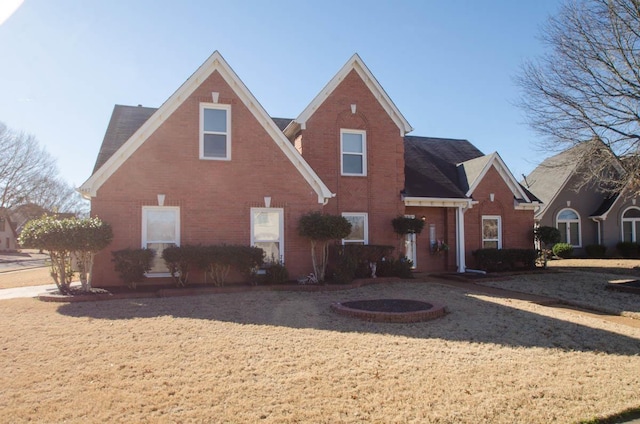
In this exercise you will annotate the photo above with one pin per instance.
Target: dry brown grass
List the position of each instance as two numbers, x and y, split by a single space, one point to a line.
285 357
25 278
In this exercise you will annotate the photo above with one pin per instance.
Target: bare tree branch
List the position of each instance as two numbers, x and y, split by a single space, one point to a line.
588 85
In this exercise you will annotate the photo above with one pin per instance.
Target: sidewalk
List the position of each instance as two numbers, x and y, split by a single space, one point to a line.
13 261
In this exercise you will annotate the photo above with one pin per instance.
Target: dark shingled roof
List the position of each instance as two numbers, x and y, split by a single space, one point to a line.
125 120
605 206
431 166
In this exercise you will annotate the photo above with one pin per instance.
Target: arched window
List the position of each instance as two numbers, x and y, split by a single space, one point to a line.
568 223
631 224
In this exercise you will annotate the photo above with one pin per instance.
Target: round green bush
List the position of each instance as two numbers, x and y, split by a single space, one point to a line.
563 250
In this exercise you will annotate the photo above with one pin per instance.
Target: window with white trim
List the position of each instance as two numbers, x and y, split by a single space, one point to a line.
491 232
353 152
215 131
568 223
160 229
267 226
631 224
359 228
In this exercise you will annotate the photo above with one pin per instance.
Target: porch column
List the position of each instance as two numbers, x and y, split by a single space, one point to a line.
460 248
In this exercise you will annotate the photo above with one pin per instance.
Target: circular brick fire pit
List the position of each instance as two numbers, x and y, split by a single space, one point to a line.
390 310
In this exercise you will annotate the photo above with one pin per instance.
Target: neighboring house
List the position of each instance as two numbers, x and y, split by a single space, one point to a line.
211 166
579 205
8 235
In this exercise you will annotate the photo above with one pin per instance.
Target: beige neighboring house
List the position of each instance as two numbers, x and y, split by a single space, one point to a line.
8 234
585 212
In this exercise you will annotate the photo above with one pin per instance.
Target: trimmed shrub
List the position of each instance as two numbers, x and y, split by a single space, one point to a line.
563 250
505 259
218 260
276 273
628 249
596 250
403 225
132 264
180 259
547 235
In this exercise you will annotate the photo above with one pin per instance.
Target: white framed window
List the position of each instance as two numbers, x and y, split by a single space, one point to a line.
160 229
353 152
491 232
631 224
568 223
267 232
359 228
215 131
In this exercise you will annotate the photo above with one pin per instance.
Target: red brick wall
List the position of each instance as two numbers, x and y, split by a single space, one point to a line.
378 193
215 197
517 225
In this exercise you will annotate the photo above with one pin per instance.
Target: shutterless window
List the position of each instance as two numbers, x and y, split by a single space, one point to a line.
353 147
266 232
160 229
568 223
491 232
359 228
215 131
631 225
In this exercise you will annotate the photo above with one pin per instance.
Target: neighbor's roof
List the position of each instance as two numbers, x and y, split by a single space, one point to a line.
431 166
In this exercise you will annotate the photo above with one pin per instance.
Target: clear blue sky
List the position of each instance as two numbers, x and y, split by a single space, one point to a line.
448 65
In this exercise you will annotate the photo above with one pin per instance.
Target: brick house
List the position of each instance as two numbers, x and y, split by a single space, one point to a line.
211 166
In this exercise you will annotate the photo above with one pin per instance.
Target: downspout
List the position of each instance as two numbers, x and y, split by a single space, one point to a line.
460 260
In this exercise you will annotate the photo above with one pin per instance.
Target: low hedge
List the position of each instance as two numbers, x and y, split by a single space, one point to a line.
628 249
351 261
505 259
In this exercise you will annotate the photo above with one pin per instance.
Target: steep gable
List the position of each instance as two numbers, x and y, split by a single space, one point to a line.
215 63
356 64
475 170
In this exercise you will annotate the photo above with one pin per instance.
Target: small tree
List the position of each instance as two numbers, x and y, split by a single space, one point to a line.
547 236
64 239
321 229
403 225
88 237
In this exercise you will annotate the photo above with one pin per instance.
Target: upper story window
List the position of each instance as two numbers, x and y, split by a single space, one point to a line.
359 228
631 225
353 148
491 232
568 223
215 131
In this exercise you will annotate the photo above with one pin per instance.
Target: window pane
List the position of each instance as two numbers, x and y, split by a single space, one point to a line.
562 227
637 233
574 233
352 143
158 264
567 214
271 250
490 229
357 227
266 226
632 213
489 244
215 120
161 225
352 164
627 231
215 146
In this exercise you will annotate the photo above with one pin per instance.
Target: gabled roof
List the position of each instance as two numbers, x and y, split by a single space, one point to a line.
550 178
431 166
355 63
215 63
475 170
442 168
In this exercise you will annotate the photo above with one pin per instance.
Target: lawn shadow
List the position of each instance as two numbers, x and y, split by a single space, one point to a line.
471 318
